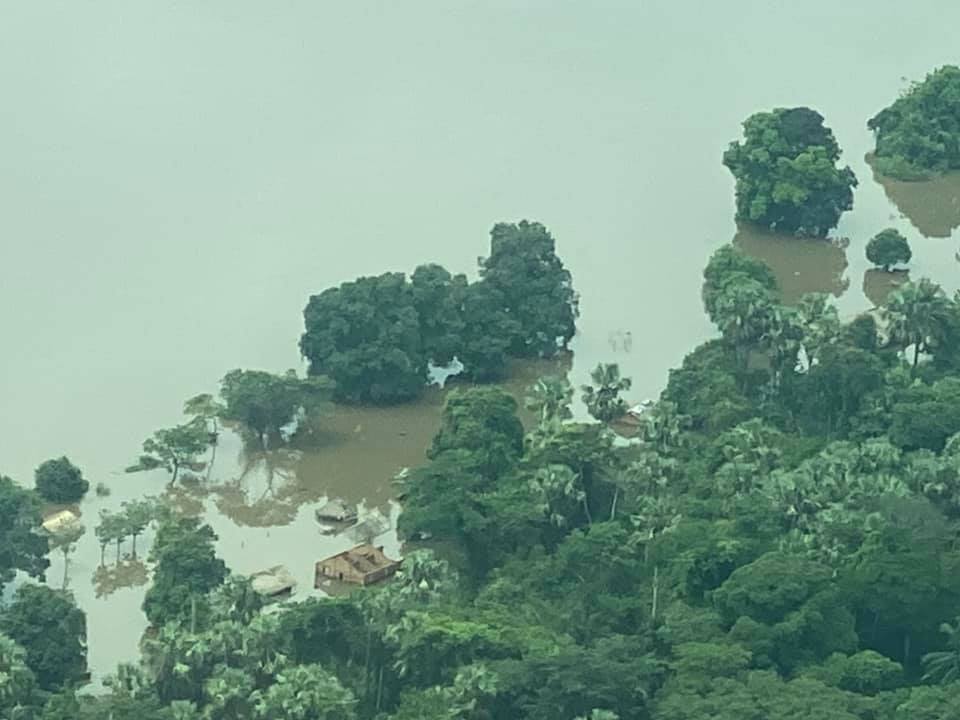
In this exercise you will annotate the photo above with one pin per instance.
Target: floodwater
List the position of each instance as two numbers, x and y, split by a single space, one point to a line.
177 179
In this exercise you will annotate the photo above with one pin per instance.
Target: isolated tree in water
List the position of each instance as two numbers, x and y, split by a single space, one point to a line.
786 173
60 481
174 449
888 248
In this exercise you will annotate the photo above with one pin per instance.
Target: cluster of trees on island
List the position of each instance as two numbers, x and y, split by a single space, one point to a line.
780 541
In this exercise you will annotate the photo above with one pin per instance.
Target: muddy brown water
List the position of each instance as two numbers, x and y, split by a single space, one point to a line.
178 178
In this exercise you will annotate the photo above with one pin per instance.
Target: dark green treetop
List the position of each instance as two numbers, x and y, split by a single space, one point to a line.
786 173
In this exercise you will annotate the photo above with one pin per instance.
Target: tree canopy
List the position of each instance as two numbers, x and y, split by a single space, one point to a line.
888 248
21 546
376 337
60 481
786 174
919 133
53 631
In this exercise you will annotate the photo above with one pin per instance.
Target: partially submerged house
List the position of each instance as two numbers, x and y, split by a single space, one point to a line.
336 511
361 565
275 583
59 521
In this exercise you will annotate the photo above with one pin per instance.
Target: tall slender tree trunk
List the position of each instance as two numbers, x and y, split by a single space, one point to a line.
176 471
119 540
134 546
656 592
66 567
380 687
103 551
613 507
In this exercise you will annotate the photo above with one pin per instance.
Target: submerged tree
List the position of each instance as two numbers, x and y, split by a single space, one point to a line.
786 173
888 248
919 134
263 403
537 289
176 448
365 336
60 481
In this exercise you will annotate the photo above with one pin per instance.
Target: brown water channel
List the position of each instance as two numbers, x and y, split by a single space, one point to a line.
177 179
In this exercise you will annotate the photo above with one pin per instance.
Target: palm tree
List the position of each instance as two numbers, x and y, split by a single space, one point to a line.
558 486
944 666
743 314
550 397
918 314
603 399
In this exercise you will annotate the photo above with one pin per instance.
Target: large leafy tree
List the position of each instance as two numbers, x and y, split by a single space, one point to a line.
919 134
365 335
438 298
186 569
786 173
53 631
488 334
537 289
21 547
263 403
888 248
60 481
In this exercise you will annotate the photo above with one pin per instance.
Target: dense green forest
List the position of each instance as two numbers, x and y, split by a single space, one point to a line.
918 135
776 538
781 543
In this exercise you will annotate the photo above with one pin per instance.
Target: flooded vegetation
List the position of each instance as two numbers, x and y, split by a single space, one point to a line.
170 214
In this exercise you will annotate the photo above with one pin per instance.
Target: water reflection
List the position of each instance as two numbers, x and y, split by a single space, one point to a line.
932 206
877 284
107 579
801 265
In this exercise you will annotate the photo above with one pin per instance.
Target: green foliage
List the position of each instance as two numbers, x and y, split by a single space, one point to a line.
53 631
304 692
186 569
438 297
603 399
786 173
21 547
264 404
17 680
365 336
376 336
60 481
866 672
174 449
536 288
919 134
888 248
918 314
482 421
926 416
